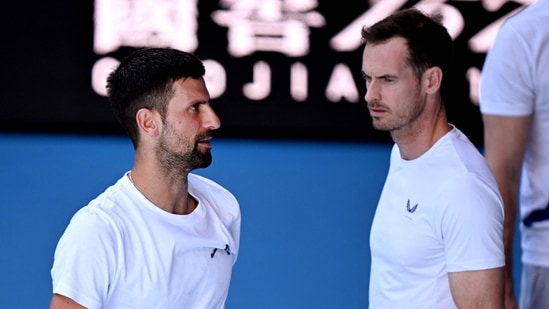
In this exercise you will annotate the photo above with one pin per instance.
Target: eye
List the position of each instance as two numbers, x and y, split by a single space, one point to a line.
367 79
195 107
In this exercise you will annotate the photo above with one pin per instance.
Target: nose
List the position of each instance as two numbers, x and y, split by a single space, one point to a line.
372 92
211 120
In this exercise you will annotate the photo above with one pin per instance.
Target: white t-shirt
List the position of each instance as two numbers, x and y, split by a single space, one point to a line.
439 213
515 82
121 251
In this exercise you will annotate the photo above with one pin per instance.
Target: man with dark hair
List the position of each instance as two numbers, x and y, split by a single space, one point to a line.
161 236
436 237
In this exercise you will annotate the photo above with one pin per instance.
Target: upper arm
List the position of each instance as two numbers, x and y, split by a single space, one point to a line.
84 261
505 141
62 302
477 289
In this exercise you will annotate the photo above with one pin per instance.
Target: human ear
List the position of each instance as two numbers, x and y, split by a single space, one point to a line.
432 79
147 121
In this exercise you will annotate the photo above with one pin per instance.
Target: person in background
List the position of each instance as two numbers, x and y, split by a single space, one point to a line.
436 237
514 103
161 236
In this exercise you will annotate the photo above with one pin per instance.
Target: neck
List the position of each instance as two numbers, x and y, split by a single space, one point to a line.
414 148
170 195
415 139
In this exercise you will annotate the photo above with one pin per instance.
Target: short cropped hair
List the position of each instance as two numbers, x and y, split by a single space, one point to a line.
429 43
145 79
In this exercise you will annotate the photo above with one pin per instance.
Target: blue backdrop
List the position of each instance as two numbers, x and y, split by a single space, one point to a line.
306 210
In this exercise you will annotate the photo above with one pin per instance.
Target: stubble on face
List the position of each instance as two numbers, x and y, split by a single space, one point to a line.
397 101
178 155
402 115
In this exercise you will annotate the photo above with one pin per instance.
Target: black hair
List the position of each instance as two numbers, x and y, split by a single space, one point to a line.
145 79
429 43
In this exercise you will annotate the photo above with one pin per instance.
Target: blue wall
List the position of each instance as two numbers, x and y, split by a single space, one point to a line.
306 210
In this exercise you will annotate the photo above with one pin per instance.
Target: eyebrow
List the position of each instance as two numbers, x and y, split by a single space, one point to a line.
365 76
201 102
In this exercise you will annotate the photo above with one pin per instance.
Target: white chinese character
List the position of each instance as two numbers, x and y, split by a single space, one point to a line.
145 23
268 25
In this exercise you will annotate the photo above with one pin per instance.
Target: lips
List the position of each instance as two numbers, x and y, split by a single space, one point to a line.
205 141
376 111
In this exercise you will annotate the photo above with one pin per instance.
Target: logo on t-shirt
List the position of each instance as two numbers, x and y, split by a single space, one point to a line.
410 209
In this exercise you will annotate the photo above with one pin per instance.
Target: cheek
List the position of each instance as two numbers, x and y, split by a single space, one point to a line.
397 100
180 124
402 94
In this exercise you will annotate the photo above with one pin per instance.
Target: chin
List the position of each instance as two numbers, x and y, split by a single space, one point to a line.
380 127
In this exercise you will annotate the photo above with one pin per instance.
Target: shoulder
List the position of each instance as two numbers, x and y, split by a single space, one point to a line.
207 188
198 180
466 168
468 155
107 212
526 21
203 183
454 151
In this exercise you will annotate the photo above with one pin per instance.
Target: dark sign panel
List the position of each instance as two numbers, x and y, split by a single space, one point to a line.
275 69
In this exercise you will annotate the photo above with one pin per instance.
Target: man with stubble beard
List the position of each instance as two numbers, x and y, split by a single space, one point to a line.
161 236
436 237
